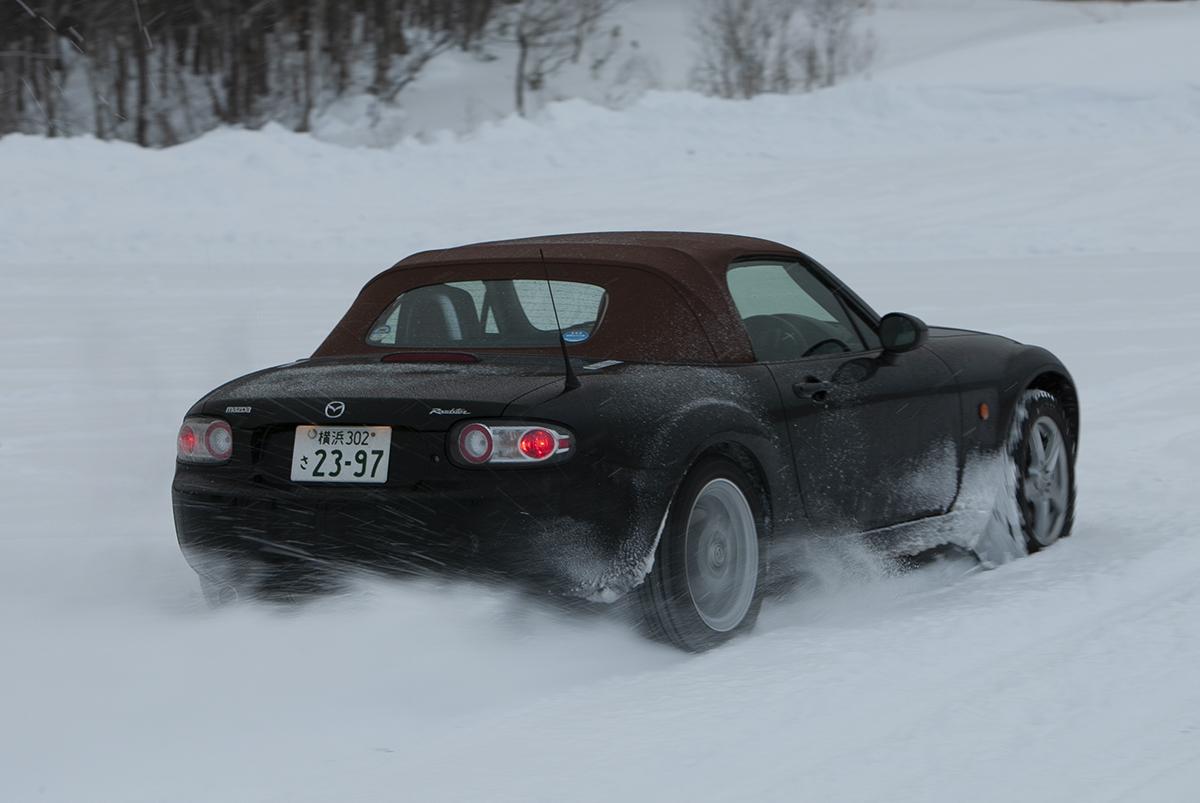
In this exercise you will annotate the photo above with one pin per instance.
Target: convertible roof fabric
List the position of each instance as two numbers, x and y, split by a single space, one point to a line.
679 255
669 301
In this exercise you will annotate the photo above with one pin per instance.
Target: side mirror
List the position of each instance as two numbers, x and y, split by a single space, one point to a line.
899 332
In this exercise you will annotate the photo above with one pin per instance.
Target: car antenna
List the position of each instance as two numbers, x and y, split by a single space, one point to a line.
572 381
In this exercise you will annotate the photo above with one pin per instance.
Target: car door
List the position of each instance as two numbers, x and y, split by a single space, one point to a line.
875 436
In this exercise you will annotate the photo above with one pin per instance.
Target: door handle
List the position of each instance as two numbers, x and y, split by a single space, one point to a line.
813 389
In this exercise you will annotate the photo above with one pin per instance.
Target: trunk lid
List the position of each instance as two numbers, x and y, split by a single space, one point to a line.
422 397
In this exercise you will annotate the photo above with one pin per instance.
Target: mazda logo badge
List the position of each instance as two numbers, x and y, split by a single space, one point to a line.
335 409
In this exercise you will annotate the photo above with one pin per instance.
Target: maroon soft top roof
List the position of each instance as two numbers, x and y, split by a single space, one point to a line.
680 255
672 301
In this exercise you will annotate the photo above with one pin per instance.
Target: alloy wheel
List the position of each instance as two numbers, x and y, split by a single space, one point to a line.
1047 481
722 555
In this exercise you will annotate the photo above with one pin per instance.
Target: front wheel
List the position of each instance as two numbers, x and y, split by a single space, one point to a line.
1045 461
706 583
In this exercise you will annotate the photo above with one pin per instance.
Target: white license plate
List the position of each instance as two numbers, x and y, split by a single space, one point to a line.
341 454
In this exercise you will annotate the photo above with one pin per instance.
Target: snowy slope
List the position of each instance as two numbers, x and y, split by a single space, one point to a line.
655 49
1058 209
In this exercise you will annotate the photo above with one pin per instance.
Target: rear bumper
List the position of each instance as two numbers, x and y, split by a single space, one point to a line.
587 534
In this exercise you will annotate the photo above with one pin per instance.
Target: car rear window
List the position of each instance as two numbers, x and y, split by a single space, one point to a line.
490 313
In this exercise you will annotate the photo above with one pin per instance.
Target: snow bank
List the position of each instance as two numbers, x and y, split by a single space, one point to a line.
682 161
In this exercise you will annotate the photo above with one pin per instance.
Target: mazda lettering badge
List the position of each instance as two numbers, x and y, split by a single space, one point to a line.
335 409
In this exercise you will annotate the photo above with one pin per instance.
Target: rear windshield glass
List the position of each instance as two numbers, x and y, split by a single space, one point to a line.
490 313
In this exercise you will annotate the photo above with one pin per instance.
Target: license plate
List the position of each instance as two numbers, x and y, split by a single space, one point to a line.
341 454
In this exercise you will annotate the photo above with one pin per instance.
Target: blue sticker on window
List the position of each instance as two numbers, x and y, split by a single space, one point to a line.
576 335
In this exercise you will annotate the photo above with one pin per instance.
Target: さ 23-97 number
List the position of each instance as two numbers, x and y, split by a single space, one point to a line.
341 454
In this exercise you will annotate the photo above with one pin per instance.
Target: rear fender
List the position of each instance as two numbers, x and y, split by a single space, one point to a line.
655 422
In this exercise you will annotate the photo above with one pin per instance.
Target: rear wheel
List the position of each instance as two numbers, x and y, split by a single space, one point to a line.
706 584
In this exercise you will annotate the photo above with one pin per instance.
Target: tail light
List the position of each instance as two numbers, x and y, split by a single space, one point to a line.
480 443
537 444
204 440
476 444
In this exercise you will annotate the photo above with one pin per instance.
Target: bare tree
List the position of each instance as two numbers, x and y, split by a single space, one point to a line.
736 39
308 43
403 70
748 47
836 48
548 34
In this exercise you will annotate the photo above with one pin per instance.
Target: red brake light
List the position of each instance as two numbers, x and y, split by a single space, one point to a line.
538 444
430 356
187 440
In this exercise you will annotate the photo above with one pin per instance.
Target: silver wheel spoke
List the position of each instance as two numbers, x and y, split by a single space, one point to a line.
1042 506
1050 461
1060 484
1039 448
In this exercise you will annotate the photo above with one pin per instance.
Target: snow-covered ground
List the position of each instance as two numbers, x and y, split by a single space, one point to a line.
1010 179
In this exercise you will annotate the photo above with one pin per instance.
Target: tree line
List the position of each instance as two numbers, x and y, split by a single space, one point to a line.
158 72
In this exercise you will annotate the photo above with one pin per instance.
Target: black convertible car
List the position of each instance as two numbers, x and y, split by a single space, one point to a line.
599 414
